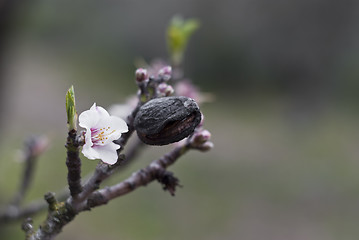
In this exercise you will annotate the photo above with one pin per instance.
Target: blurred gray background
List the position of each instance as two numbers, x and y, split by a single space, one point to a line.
284 119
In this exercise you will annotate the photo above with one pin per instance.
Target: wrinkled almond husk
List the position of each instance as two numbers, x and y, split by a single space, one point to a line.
167 120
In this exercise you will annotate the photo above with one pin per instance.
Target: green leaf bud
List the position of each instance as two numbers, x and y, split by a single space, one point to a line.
71 109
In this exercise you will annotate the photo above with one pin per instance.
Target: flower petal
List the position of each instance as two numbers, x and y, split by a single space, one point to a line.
101 130
107 153
90 152
118 123
100 110
88 140
113 126
89 118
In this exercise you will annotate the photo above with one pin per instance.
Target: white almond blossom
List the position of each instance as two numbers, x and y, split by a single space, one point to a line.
101 130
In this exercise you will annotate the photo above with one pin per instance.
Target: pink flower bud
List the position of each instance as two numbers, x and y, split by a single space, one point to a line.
165 73
206 135
165 90
141 75
206 146
201 137
40 144
162 87
169 91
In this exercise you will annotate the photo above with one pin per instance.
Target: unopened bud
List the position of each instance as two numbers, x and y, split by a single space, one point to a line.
141 75
206 135
201 137
28 227
169 90
165 73
165 90
162 87
51 200
71 109
37 145
206 146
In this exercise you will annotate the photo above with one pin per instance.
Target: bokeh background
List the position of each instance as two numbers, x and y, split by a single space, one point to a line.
284 118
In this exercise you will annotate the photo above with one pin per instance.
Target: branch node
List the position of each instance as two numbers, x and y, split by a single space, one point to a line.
131 185
168 180
51 200
27 227
96 199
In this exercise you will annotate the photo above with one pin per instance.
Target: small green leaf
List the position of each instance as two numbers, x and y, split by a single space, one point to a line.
178 33
71 109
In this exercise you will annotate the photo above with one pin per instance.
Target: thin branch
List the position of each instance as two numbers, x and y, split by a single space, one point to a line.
61 213
73 163
155 171
34 146
12 213
29 165
27 177
130 119
132 153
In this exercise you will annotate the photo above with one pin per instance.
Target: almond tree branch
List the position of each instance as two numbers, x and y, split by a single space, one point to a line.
73 163
28 172
88 197
131 153
61 213
34 146
11 213
155 171
26 180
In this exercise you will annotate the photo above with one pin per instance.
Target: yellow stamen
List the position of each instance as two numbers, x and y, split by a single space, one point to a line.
102 135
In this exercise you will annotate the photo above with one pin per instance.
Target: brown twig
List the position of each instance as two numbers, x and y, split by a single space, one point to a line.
12 213
73 163
61 213
88 196
34 146
155 171
30 159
